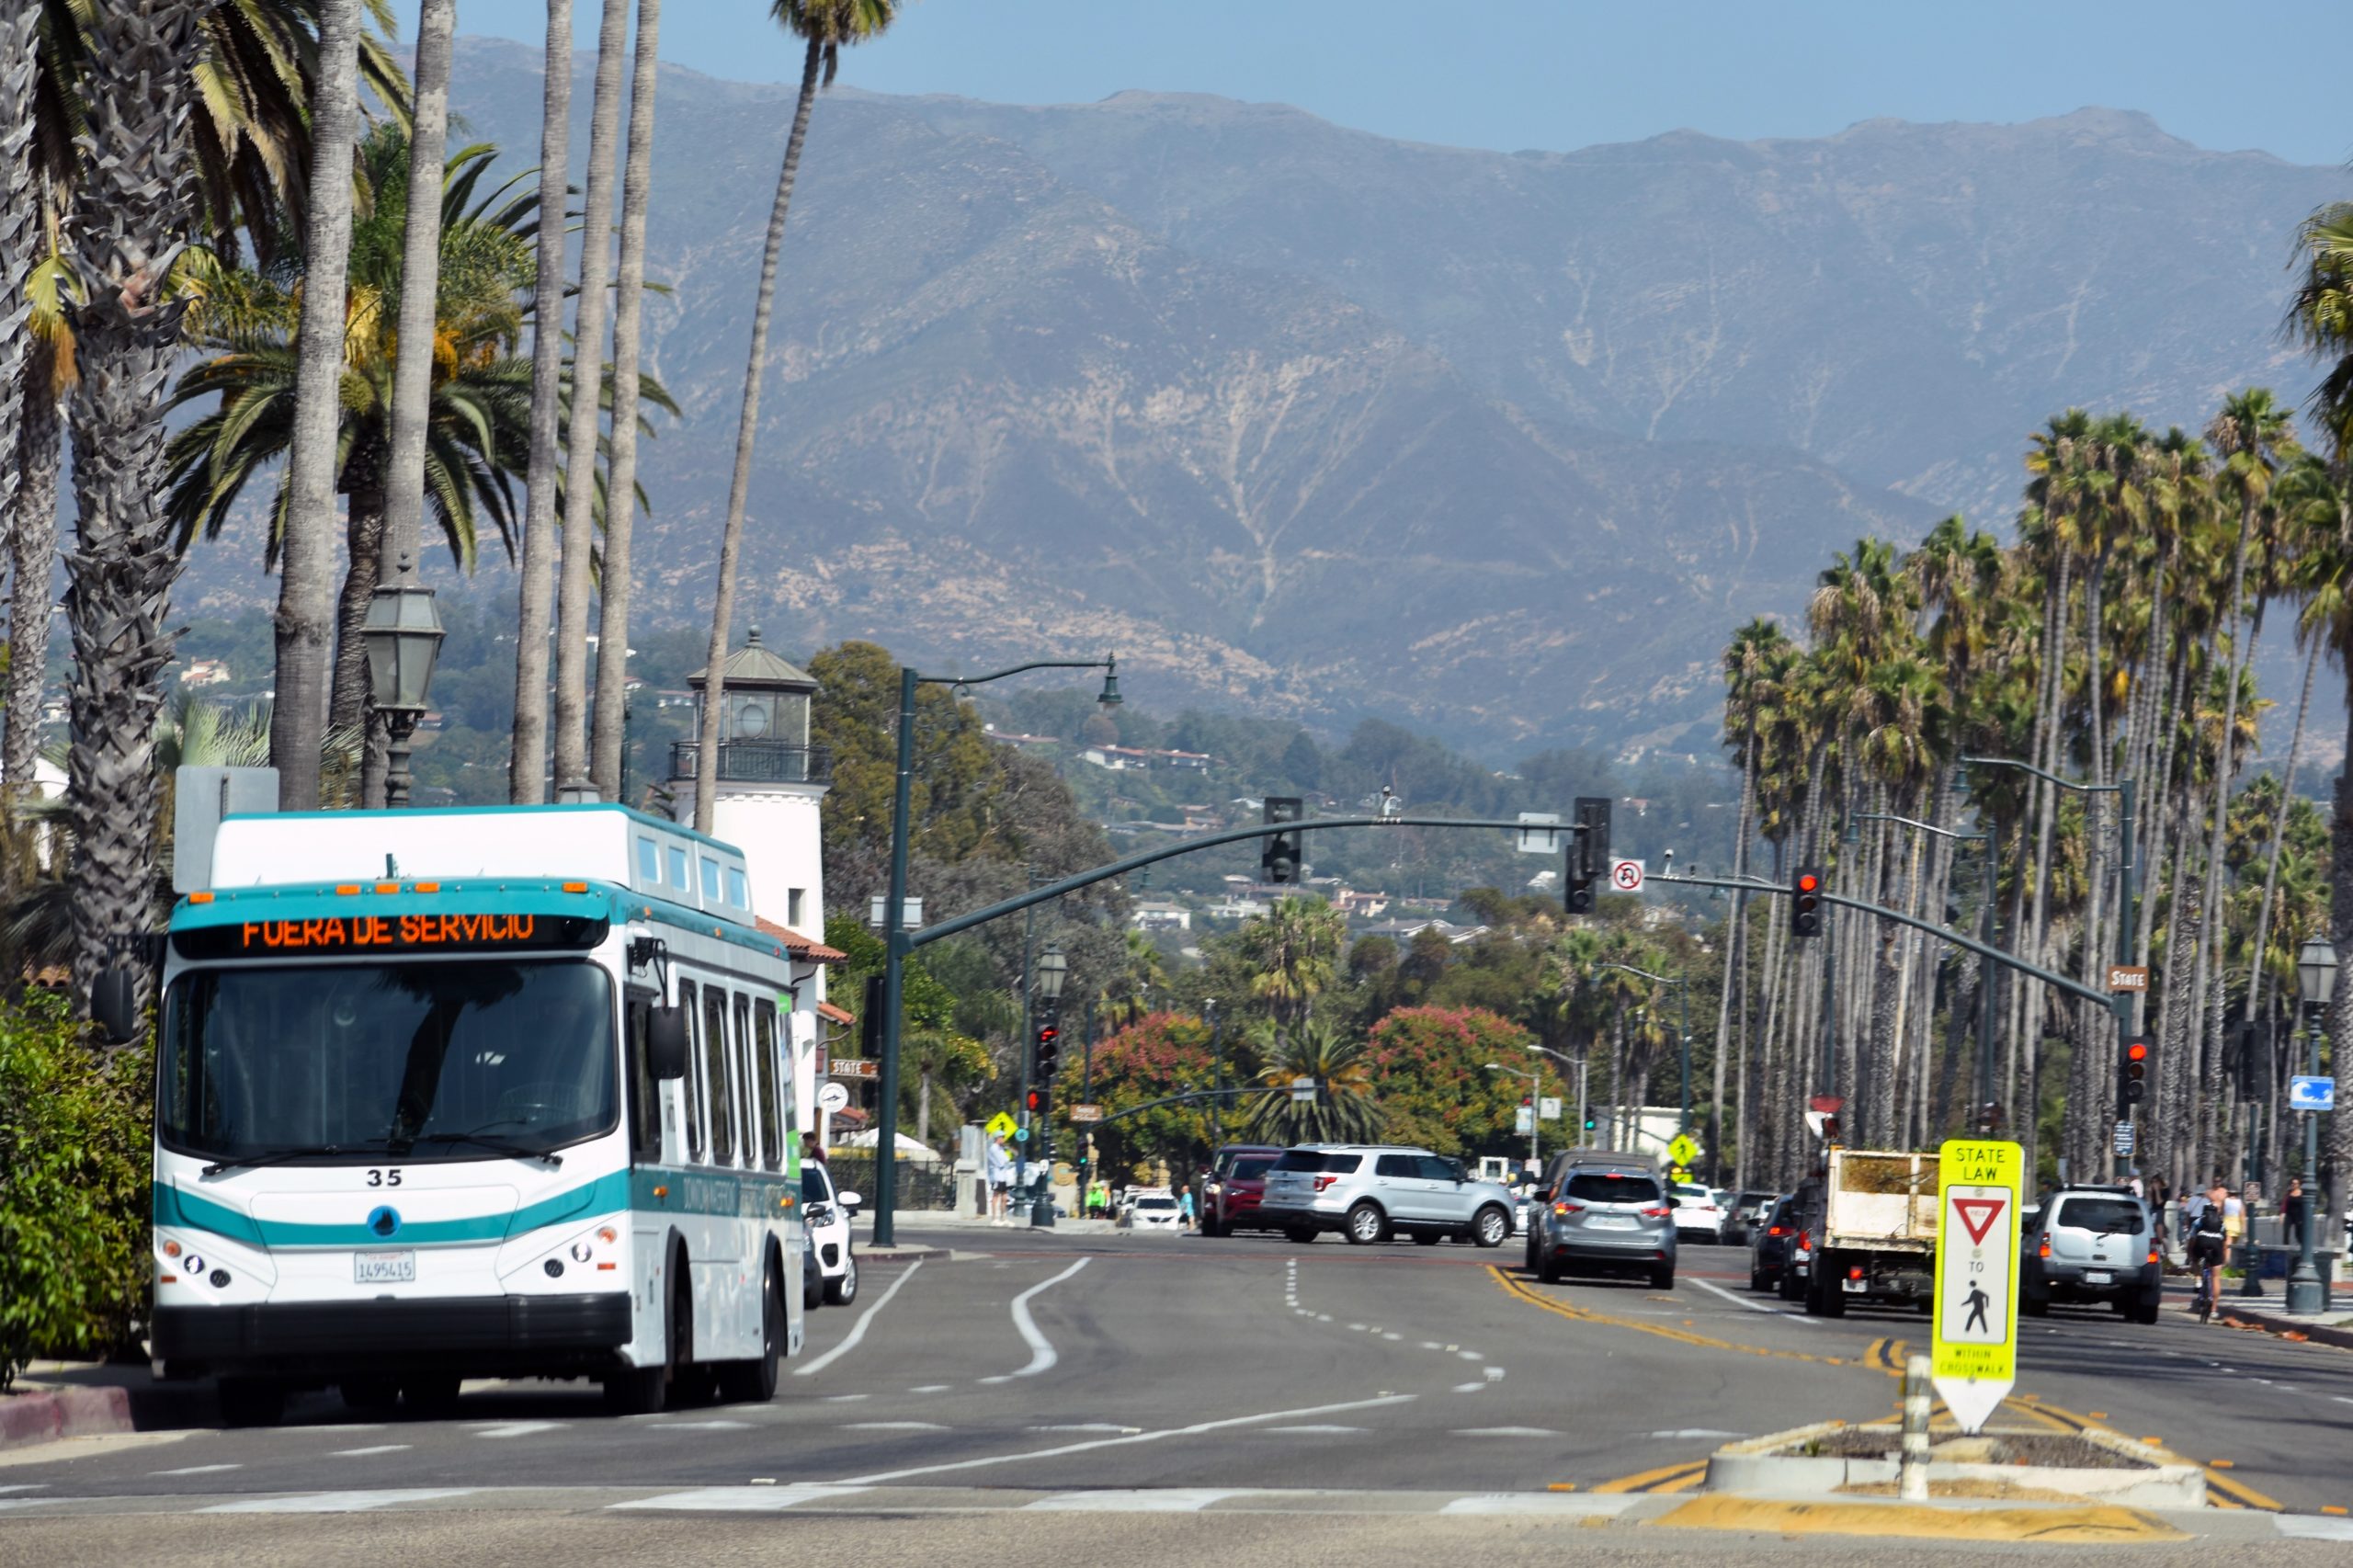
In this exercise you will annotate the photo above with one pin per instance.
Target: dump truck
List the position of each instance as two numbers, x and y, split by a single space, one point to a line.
1870 1229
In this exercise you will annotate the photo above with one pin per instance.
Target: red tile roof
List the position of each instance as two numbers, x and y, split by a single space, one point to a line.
836 1014
804 950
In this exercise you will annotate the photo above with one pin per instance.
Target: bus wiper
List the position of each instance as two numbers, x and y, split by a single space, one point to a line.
280 1156
481 1141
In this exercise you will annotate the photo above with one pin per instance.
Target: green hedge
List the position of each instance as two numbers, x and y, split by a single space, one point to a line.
74 1170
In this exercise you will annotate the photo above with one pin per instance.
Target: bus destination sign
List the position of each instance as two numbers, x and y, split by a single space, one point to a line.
478 931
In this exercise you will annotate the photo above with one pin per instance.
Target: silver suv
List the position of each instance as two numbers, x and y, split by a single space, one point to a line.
2093 1244
1609 1217
1370 1192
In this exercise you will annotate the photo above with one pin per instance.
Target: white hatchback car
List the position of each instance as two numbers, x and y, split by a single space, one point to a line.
1699 1213
1155 1211
826 1214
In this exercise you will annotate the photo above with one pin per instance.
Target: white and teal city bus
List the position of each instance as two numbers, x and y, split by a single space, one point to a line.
453 1094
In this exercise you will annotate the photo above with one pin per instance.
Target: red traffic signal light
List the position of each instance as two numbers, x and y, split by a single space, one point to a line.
2131 1072
1037 1102
2137 1051
1805 903
1809 882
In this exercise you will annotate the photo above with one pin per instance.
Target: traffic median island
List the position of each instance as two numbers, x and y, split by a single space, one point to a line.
2053 1524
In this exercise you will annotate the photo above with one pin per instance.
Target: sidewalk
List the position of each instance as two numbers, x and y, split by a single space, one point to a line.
91 1398
942 1220
2334 1327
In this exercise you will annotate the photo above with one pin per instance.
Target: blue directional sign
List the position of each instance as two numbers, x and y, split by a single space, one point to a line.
2311 1093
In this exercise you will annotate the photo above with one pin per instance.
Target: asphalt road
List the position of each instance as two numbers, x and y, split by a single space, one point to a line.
1169 1373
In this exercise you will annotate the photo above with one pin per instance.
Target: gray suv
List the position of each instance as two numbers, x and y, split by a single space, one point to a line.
2093 1244
1604 1218
1370 1192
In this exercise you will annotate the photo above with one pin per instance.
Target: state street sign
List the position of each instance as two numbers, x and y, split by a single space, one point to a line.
854 1067
1086 1113
2128 977
1976 1340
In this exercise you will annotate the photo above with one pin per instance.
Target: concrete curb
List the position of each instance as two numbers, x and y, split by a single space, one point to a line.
901 1254
43 1416
1753 1467
2086 1524
2280 1323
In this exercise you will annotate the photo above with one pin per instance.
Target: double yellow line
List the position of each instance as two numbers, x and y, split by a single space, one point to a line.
1519 1291
1684 1477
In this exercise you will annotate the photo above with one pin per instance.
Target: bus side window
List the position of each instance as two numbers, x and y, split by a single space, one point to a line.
644 1094
759 1123
692 1087
722 1097
764 1045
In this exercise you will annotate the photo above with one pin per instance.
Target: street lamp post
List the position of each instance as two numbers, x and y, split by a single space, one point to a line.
1053 968
1579 1064
403 635
1682 984
2315 983
1534 1091
895 946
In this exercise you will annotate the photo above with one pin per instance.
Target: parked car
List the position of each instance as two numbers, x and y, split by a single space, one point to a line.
1697 1214
825 1213
1745 1214
2093 1244
1156 1211
1231 1188
1370 1192
1605 1219
1769 1243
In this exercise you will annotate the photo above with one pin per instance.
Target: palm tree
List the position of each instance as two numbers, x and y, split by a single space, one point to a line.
588 344
134 208
527 765
19 215
826 26
48 377
1294 950
306 566
1346 1109
606 740
2321 318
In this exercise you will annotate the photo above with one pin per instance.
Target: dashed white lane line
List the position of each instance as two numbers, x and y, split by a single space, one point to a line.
1503 1432
844 1398
1042 1355
1318 1431
858 1330
362 1453
1470 1354
200 1470
1160 1435
1157 1500
1469 1387
1492 1374
1754 1306
515 1428
1086 1426
930 1387
1694 1432
895 1426
27 1486
741 1500
336 1502
718 1426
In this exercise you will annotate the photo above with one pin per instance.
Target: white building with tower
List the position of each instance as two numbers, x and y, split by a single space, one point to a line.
771 781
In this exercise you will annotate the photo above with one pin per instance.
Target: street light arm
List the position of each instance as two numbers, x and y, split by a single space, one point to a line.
1646 974
2078 787
1922 826
1018 669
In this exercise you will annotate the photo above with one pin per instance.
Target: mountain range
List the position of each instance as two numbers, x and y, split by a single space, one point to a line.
1299 419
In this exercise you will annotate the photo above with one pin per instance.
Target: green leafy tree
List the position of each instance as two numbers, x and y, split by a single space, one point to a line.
1435 1090
1163 1054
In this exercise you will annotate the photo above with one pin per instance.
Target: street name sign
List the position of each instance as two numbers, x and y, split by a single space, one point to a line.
854 1067
2128 977
1626 876
1302 1091
1086 1113
1975 1359
2306 1092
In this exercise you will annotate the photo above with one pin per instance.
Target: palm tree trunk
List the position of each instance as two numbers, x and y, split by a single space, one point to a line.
587 380
2280 823
363 484
306 561
21 236
731 538
133 214
32 552
527 765
608 741
2338 1145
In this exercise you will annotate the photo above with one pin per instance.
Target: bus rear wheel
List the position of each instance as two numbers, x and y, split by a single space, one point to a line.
754 1381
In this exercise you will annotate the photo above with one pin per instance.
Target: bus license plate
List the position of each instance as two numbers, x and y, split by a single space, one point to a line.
383 1267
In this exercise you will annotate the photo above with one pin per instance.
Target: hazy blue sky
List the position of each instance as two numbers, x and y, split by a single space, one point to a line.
1565 74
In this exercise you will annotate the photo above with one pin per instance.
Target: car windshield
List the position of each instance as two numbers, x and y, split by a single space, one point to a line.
1250 1170
407 1059
1609 1187
1688 1189
1155 1203
2120 1214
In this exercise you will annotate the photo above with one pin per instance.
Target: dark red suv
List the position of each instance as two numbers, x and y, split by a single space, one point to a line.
1231 1189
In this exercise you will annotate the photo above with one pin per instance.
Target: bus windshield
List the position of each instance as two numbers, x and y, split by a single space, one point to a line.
436 1059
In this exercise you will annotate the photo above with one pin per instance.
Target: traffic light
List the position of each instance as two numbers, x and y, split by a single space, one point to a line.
1039 1102
1805 902
2132 1073
1589 855
1049 1050
1589 1124
1279 860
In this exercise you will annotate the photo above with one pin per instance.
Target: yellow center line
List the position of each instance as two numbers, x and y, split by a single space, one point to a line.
1666 1478
2229 1491
1515 1288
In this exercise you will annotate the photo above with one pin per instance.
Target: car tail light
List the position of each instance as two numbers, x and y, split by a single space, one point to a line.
1855 1272
1323 1181
1567 1208
1805 1241
1775 1229
1659 1213
2045 1249
2152 1256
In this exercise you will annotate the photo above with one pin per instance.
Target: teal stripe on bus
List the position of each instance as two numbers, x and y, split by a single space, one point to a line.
702 1189
607 1194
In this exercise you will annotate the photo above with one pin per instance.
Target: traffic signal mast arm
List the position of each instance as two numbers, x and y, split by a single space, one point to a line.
1019 902
2049 977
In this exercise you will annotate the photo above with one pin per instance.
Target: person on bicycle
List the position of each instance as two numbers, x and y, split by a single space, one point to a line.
2208 1241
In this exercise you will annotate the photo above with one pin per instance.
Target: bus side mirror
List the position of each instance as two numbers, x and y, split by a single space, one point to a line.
666 1043
114 1004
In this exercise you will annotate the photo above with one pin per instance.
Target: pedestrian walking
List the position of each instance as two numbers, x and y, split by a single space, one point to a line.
2292 1209
1000 1179
1185 1208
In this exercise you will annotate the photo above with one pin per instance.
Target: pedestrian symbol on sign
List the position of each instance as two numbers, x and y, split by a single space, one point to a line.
1976 1302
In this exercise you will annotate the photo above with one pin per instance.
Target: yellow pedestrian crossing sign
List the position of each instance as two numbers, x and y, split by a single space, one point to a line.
1978 1186
1002 1126
1683 1150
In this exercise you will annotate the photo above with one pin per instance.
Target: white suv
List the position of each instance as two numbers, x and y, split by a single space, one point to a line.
1370 1192
1699 1212
826 1214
